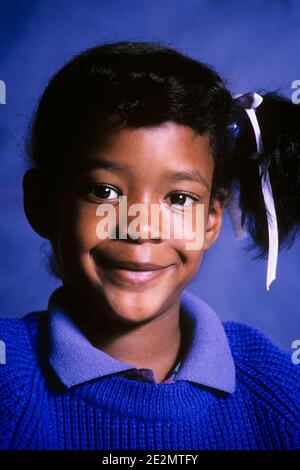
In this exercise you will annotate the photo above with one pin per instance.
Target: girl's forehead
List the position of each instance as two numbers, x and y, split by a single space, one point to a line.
166 145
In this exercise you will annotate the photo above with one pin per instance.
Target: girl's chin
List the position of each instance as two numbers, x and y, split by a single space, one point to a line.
134 306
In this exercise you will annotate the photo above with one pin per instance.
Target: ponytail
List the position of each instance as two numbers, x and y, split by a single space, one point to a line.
279 124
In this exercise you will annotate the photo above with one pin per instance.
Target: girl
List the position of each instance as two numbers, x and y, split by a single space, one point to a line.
124 357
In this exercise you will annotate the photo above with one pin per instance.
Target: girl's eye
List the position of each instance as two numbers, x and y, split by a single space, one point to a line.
179 199
102 191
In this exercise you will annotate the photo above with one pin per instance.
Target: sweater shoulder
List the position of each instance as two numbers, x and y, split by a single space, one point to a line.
255 346
18 363
18 356
266 371
254 350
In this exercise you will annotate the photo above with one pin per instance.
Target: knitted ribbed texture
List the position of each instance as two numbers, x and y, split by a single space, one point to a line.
115 412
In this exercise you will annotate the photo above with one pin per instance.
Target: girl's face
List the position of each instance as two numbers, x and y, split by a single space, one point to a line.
142 164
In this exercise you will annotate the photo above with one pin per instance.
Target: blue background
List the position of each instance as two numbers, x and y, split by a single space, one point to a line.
254 45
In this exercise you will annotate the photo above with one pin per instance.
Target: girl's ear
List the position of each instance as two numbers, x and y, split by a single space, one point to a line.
214 223
37 203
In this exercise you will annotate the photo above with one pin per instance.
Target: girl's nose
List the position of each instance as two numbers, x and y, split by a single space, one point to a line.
143 222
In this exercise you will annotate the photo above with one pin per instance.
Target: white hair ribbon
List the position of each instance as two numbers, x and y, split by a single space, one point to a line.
251 101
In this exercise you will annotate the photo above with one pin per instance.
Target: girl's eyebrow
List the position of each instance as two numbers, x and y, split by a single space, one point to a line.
188 175
103 163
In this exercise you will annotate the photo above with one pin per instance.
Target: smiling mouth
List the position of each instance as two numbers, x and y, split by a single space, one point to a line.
134 274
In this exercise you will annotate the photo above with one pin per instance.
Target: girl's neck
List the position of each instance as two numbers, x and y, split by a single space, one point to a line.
158 344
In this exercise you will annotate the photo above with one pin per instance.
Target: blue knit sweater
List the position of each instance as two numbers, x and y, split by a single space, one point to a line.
38 412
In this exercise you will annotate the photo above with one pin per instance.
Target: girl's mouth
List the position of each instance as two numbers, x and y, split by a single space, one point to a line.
137 274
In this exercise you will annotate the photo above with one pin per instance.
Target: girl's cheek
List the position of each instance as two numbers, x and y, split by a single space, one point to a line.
188 227
80 225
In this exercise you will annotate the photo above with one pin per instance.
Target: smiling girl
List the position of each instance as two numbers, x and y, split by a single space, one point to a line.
124 357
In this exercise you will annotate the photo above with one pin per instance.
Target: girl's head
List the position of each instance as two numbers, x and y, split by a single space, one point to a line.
133 119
